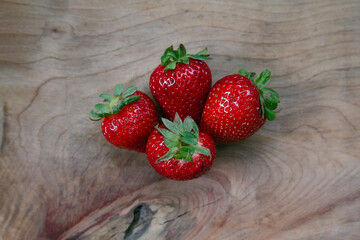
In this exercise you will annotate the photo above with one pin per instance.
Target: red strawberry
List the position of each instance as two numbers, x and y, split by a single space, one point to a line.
129 118
181 83
237 106
177 150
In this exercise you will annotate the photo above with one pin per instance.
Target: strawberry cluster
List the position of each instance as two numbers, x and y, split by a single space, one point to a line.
196 116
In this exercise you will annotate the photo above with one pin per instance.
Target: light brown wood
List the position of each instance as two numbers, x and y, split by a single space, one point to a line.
297 178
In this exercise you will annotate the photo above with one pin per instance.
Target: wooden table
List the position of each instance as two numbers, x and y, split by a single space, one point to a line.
296 178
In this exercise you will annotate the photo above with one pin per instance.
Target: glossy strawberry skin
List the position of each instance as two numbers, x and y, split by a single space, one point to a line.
182 90
178 169
131 127
232 111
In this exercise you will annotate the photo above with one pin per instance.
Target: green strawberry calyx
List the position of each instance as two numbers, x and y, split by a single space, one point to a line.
116 102
181 137
269 98
171 57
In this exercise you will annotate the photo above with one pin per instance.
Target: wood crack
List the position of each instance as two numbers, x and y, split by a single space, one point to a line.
187 212
2 124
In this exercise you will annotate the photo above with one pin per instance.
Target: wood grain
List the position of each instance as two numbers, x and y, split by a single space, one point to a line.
297 178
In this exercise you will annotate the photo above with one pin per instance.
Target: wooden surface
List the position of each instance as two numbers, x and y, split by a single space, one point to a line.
297 178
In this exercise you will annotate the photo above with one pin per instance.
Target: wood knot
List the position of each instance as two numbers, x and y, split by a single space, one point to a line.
57 29
142 216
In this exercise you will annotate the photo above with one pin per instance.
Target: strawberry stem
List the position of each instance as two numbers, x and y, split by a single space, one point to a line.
171 57
181 137
269 98
116 102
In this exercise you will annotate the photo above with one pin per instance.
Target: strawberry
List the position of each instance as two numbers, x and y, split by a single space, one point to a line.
181 83
238 105
177 150
128 119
